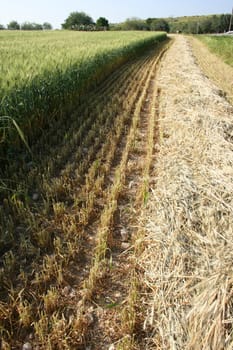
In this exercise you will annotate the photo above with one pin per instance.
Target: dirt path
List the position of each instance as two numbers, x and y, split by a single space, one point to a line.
188 260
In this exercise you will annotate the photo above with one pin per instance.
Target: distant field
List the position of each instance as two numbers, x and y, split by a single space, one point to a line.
220 45
43 72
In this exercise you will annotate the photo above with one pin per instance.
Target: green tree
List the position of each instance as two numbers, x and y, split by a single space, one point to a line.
2 27
13 25
160 25
134 23
102 23
76 20
149 21
225 22
216 24
31 26
37 26
47 26
206 26
26 26
193 27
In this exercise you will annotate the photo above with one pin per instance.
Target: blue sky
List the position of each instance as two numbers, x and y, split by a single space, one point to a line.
55 11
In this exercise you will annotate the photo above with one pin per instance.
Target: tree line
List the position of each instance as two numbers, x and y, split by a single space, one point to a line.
201 24
82 21
75 21
14 25
187 24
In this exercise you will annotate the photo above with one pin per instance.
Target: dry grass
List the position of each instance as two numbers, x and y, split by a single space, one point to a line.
188 261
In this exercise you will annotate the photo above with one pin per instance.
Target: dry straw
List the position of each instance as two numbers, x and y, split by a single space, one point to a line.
189 217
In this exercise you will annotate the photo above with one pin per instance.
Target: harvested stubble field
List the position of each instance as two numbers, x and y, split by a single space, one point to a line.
119 235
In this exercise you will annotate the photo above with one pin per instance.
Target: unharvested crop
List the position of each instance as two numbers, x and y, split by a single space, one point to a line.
42 75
